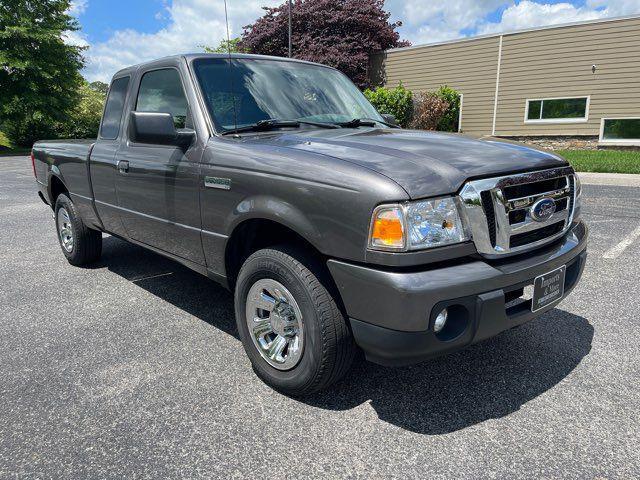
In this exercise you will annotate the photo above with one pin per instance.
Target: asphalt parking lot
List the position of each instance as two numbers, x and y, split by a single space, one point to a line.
133 368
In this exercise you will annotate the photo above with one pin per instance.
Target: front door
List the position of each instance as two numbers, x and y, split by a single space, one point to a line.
158 185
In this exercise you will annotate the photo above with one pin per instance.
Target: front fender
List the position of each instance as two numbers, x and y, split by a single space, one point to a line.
267 207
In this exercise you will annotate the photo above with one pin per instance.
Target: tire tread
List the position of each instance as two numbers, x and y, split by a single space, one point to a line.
338 347
87 242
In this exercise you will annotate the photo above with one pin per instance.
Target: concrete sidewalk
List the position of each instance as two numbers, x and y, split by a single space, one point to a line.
617 179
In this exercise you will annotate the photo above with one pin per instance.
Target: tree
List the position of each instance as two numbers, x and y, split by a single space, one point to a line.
99 87
39 73
226 46
83 119
339 33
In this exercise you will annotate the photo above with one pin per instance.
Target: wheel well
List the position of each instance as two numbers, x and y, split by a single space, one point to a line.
56 188
256 234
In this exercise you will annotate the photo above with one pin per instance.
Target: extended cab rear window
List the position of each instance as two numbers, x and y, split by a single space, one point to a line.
113 111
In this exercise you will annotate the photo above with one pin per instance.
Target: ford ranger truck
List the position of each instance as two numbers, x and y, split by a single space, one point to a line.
337 231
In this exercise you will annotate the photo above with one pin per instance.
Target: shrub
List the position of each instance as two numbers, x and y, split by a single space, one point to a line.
428 111
449 121
396 101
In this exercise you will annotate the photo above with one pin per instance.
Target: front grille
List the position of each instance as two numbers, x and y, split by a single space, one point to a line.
507 216
536 188
572 187
535 235
487 205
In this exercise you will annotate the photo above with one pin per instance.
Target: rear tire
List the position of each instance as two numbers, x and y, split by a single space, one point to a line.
80 244
319 341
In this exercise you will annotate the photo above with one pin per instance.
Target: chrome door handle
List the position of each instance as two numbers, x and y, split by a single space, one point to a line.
123 166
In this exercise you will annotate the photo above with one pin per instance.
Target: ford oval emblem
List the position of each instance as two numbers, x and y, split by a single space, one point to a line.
543 209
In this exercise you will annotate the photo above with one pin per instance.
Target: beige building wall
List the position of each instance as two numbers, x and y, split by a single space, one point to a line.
469 67
544 63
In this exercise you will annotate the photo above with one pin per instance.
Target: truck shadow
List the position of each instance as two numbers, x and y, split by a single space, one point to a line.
488 380
172 282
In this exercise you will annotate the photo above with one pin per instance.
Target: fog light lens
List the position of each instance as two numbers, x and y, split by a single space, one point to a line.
441 320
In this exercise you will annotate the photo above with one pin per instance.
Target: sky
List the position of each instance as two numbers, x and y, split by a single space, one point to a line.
119 33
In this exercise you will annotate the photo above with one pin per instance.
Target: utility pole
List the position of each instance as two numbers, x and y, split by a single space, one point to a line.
290 2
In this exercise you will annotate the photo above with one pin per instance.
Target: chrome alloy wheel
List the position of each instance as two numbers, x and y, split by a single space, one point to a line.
65 230
275 323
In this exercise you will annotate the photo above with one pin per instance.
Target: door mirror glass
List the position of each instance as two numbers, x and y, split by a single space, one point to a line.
158 129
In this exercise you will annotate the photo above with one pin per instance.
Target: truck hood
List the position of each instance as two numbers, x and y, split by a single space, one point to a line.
423 163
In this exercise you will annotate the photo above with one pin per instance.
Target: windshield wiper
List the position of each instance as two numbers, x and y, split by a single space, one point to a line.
273 123
364 122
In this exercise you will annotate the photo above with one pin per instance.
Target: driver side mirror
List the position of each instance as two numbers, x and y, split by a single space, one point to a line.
158 129
387 117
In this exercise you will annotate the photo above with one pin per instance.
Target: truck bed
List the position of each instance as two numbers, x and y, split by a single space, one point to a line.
48 153
67 161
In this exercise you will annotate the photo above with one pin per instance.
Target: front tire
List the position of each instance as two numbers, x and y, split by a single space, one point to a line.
290 325
80 244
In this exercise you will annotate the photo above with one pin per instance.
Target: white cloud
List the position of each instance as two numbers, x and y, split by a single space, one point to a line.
529 14
77 7
427 21
75 38
190 23
616 8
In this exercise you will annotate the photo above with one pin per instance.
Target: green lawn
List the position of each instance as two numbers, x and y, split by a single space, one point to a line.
6 149
603 161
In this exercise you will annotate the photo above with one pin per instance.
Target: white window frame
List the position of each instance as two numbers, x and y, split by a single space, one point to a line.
629 141
556 120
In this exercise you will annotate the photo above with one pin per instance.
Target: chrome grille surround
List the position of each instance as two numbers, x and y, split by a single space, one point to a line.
492 231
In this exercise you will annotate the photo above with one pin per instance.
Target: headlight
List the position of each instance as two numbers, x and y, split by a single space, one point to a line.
578 199
417 225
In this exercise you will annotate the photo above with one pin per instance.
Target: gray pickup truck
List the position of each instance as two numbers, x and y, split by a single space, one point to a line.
336 230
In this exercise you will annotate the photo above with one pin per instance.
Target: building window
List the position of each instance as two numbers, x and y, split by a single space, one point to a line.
557 110
620 131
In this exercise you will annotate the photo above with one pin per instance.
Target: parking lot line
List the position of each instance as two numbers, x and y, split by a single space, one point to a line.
616 251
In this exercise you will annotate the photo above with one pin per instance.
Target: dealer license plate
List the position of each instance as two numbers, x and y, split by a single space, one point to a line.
548 288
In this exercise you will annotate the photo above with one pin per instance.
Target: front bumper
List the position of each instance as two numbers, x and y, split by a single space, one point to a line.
392 312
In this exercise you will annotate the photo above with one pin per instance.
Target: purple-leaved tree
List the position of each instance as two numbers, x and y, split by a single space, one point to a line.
339 33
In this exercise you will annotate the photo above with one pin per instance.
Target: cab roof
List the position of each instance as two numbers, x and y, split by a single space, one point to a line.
189 57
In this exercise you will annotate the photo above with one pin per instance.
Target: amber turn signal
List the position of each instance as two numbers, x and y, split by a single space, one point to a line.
387 229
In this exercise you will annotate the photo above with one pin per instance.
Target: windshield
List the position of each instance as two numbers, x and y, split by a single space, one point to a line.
283 90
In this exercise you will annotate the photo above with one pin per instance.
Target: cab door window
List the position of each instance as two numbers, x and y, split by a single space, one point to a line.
161 92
